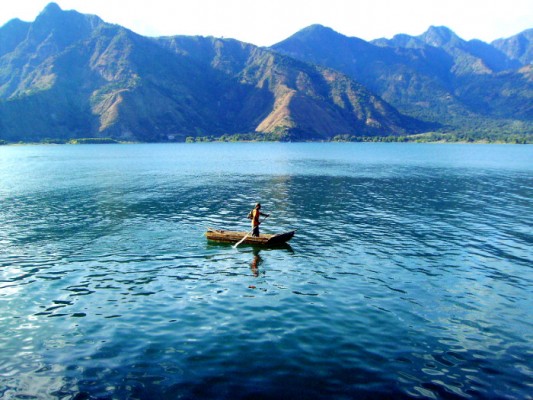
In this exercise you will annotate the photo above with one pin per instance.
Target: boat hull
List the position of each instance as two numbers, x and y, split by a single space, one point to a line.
218 235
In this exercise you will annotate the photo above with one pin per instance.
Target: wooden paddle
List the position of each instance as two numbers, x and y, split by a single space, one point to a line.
248 234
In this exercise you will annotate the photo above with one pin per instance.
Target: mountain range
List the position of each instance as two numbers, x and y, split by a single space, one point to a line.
69 75
436 76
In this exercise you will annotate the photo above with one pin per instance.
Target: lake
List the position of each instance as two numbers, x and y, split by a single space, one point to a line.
410 274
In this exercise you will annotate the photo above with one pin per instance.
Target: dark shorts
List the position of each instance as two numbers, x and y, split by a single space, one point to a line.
255 231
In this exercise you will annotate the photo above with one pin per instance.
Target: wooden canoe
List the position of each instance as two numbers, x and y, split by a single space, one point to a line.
219 235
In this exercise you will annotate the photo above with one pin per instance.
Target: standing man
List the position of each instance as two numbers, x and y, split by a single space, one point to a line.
256 212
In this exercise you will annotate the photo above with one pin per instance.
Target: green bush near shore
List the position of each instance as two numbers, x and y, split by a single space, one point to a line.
66 141
435 137
430 137
93 141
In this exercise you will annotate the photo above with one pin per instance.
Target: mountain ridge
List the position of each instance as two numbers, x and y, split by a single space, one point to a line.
74 75
70 75
436 76
518 47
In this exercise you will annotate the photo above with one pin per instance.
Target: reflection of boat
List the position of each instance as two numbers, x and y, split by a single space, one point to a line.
218 235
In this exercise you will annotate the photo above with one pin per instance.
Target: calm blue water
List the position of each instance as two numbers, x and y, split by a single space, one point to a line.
411 274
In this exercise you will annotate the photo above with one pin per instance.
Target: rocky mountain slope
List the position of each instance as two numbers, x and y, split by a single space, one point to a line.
436 76
69 75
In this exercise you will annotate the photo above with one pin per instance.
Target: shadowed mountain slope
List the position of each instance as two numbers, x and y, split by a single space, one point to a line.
69 75
436 76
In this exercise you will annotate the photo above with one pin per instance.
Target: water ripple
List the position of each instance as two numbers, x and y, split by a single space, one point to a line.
404 280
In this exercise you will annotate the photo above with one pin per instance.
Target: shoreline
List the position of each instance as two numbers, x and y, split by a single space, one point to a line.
443 142
452 137
257 141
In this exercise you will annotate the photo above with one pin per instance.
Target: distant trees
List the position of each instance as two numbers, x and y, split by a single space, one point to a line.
67 141
430 137
93 141
438 137
240 137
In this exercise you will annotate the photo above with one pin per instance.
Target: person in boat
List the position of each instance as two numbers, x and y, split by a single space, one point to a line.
254 215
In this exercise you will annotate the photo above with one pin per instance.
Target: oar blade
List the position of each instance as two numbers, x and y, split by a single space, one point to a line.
240 241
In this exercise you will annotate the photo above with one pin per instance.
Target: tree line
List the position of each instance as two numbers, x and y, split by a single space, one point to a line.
432 137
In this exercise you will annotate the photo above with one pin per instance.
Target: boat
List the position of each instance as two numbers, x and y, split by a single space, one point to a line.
218 235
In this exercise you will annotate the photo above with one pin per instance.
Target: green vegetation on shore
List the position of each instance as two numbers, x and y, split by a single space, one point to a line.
93 141
430 137
435 137
67 141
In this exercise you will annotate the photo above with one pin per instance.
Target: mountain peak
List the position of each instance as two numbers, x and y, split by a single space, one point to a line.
11 34
317 30
51 14
518 47
14 23
321 36
51 9
439 35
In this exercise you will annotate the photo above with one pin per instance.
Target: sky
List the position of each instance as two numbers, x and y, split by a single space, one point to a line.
266 22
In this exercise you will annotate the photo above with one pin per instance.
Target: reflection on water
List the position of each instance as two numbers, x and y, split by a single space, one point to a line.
410 274
256 262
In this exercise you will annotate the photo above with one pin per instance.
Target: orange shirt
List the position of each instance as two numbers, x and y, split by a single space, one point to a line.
255 217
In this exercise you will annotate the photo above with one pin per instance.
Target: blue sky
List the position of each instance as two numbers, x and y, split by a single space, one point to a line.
267 22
